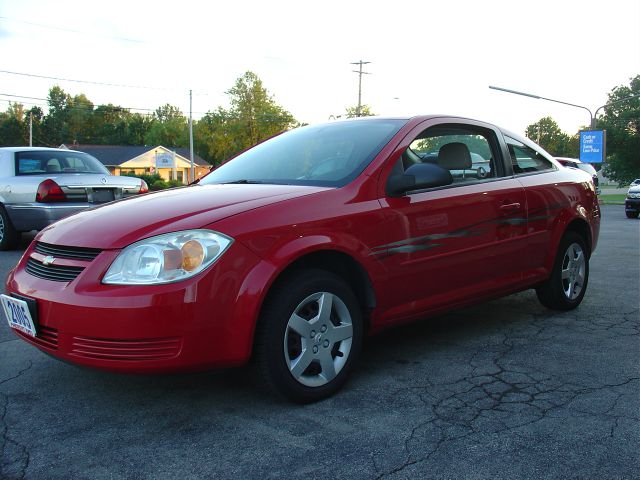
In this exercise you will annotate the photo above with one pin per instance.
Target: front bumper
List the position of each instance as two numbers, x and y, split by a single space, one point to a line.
201 323
36 216
632 205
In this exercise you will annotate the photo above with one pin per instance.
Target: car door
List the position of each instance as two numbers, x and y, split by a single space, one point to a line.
456 243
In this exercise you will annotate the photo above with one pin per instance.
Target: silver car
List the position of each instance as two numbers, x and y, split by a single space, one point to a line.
41 185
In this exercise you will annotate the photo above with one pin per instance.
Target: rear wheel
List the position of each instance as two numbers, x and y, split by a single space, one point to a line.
567 284
632 214
309 336
9 237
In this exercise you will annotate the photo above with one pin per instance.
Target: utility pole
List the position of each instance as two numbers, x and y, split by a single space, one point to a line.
31 129
360 73
193 173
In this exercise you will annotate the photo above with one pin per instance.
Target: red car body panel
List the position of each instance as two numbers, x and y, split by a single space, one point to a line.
421 253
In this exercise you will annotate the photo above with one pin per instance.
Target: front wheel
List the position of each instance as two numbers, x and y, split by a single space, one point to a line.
566 286
309 336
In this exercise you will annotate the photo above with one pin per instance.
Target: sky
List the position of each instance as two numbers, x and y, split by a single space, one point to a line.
426 56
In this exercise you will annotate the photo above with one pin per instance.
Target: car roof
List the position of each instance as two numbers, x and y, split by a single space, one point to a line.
35 149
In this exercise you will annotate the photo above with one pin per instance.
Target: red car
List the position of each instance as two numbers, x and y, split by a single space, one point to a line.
293 251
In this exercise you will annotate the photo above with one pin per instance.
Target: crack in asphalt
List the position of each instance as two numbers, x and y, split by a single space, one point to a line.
496 397
18 462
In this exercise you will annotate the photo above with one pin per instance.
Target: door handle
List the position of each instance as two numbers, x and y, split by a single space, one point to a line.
510 207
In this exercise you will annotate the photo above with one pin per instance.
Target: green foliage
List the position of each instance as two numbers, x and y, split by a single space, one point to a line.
546 133
169 128
13 130
365 111
622 123
158 185
150 179
253 117
164 184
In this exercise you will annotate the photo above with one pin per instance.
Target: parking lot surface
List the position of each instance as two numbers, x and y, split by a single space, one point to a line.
505 389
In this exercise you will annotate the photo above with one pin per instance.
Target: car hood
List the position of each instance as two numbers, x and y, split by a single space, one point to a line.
635 189
118 224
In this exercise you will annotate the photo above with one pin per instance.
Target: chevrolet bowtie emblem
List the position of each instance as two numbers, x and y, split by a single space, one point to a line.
48 260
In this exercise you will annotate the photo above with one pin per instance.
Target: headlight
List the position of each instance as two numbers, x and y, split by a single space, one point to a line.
633 195
167 258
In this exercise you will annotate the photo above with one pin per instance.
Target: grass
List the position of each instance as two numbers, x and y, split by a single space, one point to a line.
612 198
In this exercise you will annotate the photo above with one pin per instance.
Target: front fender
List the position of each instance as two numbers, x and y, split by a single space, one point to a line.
258 283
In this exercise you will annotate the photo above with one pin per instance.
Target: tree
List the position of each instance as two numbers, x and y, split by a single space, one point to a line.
252 117
55 123
546 133
13 129
622 123
365 111
110 124
79 120
168 128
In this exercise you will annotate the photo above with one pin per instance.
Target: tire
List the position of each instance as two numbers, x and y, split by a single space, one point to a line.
9 237
632 214
565 288
309 336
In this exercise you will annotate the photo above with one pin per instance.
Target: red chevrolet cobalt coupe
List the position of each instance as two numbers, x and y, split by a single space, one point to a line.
292 252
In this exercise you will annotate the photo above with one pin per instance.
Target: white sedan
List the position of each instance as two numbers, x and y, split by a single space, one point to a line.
39 186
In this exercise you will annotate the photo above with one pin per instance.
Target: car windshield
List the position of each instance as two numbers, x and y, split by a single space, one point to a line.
51 162
322 155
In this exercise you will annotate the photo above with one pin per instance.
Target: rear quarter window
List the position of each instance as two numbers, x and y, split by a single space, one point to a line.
525 159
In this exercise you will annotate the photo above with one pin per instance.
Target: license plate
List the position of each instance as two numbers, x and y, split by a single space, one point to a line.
102 195
18 315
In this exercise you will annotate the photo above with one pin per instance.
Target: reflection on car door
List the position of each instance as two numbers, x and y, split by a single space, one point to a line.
446 245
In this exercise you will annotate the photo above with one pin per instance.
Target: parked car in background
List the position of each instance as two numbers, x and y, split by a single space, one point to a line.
39 186
575 163
294 250
632 202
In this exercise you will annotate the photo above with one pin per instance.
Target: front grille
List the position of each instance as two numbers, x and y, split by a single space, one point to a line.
58 251
45 337
57 273
125 350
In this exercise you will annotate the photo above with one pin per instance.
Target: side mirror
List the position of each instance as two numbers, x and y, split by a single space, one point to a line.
417 177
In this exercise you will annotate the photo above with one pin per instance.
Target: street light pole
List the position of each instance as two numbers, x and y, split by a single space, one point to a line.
538 97
592 117
593 123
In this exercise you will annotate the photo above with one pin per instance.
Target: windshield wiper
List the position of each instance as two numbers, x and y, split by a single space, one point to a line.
243 181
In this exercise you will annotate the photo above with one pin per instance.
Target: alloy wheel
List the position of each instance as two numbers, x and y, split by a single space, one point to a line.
573 271
318 339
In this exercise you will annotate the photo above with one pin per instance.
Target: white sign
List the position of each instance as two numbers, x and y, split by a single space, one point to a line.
164 160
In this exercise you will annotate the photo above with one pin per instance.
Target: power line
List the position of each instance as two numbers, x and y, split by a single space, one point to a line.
263 118
51 27
78 107
33 75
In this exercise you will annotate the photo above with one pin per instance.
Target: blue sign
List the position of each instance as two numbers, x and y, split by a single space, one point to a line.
592 146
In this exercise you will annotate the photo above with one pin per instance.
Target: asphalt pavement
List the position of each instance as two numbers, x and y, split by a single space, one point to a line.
502 390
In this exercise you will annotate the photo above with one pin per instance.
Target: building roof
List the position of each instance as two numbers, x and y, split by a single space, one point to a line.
114 155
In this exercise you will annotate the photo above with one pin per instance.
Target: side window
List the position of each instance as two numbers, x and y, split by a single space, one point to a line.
467 152
525 159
